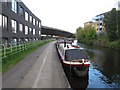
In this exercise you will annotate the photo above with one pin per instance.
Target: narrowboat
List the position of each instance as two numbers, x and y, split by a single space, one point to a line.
74 58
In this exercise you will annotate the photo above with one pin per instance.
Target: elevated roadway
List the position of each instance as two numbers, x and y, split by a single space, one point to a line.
57 32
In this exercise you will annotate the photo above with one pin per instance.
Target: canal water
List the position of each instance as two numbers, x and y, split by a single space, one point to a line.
104 71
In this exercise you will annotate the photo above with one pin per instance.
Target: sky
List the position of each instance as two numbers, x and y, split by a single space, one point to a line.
68 15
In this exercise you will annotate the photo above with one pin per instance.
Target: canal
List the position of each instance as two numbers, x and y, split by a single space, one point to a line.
104 71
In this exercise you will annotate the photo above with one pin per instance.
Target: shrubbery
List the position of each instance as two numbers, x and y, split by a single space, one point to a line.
86 35
115 44
110 38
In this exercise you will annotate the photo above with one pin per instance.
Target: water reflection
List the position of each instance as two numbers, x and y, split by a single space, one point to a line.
104 71
77 82
105 66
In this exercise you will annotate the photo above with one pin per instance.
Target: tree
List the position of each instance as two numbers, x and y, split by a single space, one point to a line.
86 34
90 32
111 24
118 23
79 33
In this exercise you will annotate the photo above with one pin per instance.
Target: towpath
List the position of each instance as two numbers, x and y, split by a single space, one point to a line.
40 69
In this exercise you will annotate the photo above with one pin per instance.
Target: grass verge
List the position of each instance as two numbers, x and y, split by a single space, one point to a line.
12 60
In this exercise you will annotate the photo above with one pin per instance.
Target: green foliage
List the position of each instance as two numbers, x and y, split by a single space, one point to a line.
106 39
111 24
118 24
86 34
115 45
102 36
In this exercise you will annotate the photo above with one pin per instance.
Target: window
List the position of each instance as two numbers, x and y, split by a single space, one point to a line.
20 27
4 22
14 26
30 39
31 19
100 23
36 22
39 25
37 39
14 41
26 16
26 39
0 20
33 31
119 6
14 6
4 40
34 39
30 30
21 12
26 29
39 32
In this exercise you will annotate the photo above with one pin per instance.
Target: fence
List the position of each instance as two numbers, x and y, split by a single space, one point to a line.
12 48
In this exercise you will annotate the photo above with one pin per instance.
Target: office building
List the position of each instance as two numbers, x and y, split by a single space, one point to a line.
18 23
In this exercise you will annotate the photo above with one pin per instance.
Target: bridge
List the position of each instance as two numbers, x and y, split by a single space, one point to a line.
57 32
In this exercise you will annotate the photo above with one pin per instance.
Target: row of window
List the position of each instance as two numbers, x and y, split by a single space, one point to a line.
15 40
21 12
27 16
4 22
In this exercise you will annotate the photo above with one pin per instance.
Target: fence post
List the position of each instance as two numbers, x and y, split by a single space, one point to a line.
24 46
10 47
0 51
4 50
16 46
19 46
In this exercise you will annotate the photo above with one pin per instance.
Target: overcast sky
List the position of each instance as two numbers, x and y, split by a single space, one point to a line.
68 14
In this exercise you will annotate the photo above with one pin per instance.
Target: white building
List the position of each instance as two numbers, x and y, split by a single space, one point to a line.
119 5
98 23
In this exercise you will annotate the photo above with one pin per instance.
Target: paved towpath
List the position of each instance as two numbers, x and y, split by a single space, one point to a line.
41 69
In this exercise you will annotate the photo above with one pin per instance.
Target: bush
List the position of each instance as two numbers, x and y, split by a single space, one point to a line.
86 35
115 44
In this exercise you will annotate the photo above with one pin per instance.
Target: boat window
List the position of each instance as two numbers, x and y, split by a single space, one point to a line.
76 54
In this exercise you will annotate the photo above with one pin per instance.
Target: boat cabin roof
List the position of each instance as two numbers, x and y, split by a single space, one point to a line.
76 54
72 53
